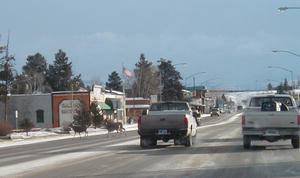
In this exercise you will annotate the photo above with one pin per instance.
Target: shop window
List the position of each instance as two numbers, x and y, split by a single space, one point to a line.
40 116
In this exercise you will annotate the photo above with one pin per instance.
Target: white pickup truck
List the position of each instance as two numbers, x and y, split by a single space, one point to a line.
165 121
271 118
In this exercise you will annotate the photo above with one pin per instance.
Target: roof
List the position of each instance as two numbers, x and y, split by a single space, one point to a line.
171 102
136 98
130 106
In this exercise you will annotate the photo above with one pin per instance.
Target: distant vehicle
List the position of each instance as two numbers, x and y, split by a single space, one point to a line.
165 121
239 108
196 115
271 118
215 112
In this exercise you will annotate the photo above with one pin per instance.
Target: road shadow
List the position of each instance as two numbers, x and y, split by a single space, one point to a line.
279 169
211 140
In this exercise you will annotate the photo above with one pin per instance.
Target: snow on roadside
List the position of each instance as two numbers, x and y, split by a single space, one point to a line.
46 136
205 115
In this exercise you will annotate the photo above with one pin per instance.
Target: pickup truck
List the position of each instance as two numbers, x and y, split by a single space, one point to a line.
165 121
271 118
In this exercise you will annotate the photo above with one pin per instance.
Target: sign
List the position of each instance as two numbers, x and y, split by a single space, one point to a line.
153 98
67 109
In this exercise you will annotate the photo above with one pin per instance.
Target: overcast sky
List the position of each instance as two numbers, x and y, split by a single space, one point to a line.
231 40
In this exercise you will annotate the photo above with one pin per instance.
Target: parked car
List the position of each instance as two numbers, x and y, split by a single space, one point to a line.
271 118
196 115
165 121
215 112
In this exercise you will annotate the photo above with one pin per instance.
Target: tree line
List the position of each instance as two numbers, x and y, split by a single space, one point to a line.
37 76
162 80
281 88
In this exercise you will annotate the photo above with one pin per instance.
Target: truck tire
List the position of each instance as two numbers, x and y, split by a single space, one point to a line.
295 142
153 142
189 141
177 141
247 141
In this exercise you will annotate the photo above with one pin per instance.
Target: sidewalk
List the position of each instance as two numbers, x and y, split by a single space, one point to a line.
45 136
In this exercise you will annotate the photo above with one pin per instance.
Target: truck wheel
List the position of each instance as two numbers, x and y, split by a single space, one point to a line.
247 142
177 141
153 142
143 142
295 142
189 141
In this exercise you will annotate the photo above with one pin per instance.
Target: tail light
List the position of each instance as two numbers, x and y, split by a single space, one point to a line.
298 119
139 121
186 121
244 119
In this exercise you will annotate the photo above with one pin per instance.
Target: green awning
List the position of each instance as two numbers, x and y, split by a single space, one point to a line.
104 106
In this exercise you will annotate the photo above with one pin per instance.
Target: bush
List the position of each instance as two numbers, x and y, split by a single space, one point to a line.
66 125
5 128
48 127
26 124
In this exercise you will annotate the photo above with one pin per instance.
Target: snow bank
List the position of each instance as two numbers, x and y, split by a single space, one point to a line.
45 136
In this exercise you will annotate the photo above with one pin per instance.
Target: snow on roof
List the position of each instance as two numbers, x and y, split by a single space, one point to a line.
136 98
137 106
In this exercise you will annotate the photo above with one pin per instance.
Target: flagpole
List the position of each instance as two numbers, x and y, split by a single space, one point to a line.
124 95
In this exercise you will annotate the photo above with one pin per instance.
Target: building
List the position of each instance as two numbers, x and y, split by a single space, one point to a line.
135 107
198 98
111 102
66 103
36 107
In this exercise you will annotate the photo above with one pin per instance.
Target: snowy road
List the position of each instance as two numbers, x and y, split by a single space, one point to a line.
218 153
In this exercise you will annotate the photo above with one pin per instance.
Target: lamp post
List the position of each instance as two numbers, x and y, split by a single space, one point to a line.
282 68
286 51
282 9
193 75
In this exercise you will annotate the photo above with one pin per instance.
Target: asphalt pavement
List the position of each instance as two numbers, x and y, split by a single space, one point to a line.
218 152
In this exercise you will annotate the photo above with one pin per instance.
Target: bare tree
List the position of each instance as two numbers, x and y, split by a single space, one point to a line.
146 79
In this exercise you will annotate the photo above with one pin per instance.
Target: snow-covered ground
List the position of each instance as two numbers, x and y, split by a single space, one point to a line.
45 136
205 115
239 98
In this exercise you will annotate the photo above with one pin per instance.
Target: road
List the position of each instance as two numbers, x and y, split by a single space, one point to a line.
218 153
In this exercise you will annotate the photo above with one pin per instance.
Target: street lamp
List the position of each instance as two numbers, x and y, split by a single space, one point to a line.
208 80
183 64
285 51
282 9
285 69
193 75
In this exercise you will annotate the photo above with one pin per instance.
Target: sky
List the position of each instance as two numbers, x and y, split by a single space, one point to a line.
230 40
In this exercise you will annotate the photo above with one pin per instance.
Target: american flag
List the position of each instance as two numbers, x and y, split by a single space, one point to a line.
127 72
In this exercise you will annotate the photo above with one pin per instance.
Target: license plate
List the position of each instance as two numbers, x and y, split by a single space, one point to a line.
272 132
162 132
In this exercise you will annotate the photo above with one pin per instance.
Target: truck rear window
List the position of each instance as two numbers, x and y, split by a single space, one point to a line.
257 101
169 106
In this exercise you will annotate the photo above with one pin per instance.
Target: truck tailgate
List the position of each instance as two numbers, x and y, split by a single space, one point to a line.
173 121
271 119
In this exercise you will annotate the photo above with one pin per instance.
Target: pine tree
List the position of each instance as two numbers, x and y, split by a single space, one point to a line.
96 114
60 75
82 117
35 70
114 82
172 88
270 87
